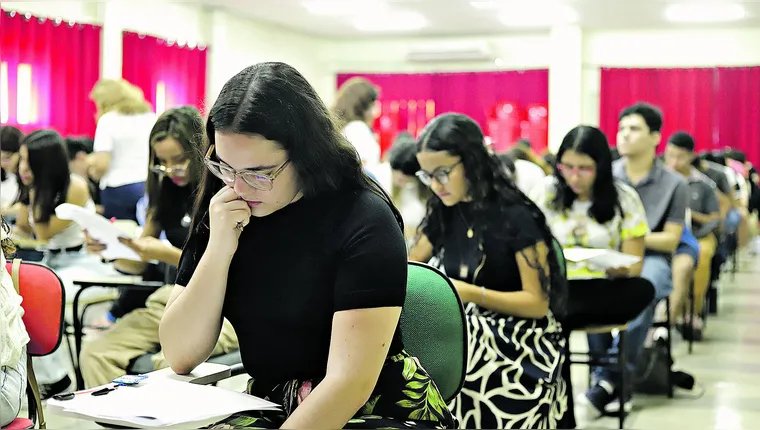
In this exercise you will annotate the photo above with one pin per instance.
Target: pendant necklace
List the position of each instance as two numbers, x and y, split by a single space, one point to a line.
464 267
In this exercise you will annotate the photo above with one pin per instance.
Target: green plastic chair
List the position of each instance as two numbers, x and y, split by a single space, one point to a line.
434 327
561 257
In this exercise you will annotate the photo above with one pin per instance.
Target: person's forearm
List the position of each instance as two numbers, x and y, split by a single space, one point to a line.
172 256
662 242
522 304
130 266
191 324
332 404
701 218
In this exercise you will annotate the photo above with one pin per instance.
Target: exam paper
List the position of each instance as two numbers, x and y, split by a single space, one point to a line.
99 229
600 258
163 403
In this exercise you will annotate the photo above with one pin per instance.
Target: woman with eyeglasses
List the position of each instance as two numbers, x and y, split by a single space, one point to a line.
173 179
587 208
305 255
494 244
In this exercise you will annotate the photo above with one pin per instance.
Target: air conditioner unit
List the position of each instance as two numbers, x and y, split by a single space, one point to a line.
450 52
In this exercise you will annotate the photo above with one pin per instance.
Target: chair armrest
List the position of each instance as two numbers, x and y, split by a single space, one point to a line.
117 282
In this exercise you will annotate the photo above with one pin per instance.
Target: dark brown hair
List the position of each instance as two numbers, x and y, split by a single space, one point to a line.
355 97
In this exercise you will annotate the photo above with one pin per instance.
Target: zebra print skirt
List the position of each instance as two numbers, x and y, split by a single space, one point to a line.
514 372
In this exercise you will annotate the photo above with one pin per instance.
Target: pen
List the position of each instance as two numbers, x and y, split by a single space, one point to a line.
94 392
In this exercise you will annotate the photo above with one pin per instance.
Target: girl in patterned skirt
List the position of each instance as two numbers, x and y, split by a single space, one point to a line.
494 244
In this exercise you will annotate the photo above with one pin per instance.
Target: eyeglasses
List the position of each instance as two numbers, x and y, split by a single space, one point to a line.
259 181
441 175
180 170
566 170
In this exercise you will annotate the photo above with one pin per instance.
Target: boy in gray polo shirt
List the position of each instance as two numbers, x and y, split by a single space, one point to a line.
665 196
705 221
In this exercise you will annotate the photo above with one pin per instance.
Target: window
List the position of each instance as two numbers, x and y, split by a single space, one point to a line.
4 103
160 97
26 110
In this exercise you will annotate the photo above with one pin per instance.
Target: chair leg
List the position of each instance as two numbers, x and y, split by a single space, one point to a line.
623 390
668 322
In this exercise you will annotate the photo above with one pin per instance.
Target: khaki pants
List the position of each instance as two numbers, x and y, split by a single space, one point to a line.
107 357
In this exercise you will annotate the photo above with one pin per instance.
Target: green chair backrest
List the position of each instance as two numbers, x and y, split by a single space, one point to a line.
561 257
434 328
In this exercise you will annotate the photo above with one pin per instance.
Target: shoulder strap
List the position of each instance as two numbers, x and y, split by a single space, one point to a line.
15 269
31 381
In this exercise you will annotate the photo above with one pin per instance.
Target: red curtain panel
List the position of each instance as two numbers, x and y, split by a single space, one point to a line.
738 107
169 72
686 97
47 69
470 93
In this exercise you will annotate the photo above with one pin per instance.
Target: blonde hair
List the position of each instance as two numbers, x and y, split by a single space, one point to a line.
120 96
355 97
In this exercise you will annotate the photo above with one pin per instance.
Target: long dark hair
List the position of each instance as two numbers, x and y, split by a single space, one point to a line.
49 163
184 124
275 101
488 184
589 141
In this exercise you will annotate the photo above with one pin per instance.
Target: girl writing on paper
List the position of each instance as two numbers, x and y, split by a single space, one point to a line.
305 255
586 208
13 338
172 182
494 244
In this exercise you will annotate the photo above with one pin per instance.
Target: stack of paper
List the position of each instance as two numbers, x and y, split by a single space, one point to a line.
99 229
602 259
161 403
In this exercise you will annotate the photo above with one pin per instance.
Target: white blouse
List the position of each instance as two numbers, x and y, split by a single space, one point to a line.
13 335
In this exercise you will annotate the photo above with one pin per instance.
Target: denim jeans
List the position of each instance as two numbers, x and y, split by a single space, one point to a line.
12 387
656 270
121 202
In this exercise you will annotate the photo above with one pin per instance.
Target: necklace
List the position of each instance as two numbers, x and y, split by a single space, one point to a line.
464 266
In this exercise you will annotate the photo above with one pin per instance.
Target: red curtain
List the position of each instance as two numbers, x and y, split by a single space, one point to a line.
411 98
738 106
57 63
685 96
170 75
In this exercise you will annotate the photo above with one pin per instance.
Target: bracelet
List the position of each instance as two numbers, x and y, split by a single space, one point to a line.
482 296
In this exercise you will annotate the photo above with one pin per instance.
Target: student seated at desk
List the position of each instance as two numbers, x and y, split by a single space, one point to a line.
494 244
305 255
44 169
174 176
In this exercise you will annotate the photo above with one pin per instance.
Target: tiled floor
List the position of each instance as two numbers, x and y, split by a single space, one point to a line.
725 365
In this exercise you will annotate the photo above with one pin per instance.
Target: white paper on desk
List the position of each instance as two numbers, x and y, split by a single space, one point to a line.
99 229
600 258
163 403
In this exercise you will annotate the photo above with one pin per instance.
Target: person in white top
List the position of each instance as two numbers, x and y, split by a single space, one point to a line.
356 109
524 174
121 146
44 169
408 193
13 339
10 140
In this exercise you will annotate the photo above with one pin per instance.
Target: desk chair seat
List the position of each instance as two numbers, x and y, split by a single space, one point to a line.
43 302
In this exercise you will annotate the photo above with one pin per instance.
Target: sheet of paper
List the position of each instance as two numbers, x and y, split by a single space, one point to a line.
162 403
100 229
600 258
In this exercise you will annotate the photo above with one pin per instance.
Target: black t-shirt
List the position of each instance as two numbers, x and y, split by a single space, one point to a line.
295 268
174 211
507 233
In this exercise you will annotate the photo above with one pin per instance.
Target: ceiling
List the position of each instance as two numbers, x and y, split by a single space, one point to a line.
459 17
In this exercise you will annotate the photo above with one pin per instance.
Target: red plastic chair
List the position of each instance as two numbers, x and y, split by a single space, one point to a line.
43 302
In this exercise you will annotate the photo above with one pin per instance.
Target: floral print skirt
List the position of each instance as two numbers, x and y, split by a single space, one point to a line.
405 397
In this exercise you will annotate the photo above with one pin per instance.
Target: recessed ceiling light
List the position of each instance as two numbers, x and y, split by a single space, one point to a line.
344 7
390 22
537 15
705 12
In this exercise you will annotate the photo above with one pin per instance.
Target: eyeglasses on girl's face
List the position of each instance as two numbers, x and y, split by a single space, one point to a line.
179 170
441 174
259 181
582 171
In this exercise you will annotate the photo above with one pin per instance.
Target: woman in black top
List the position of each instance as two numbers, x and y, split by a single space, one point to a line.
494 244
305 256
174 177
